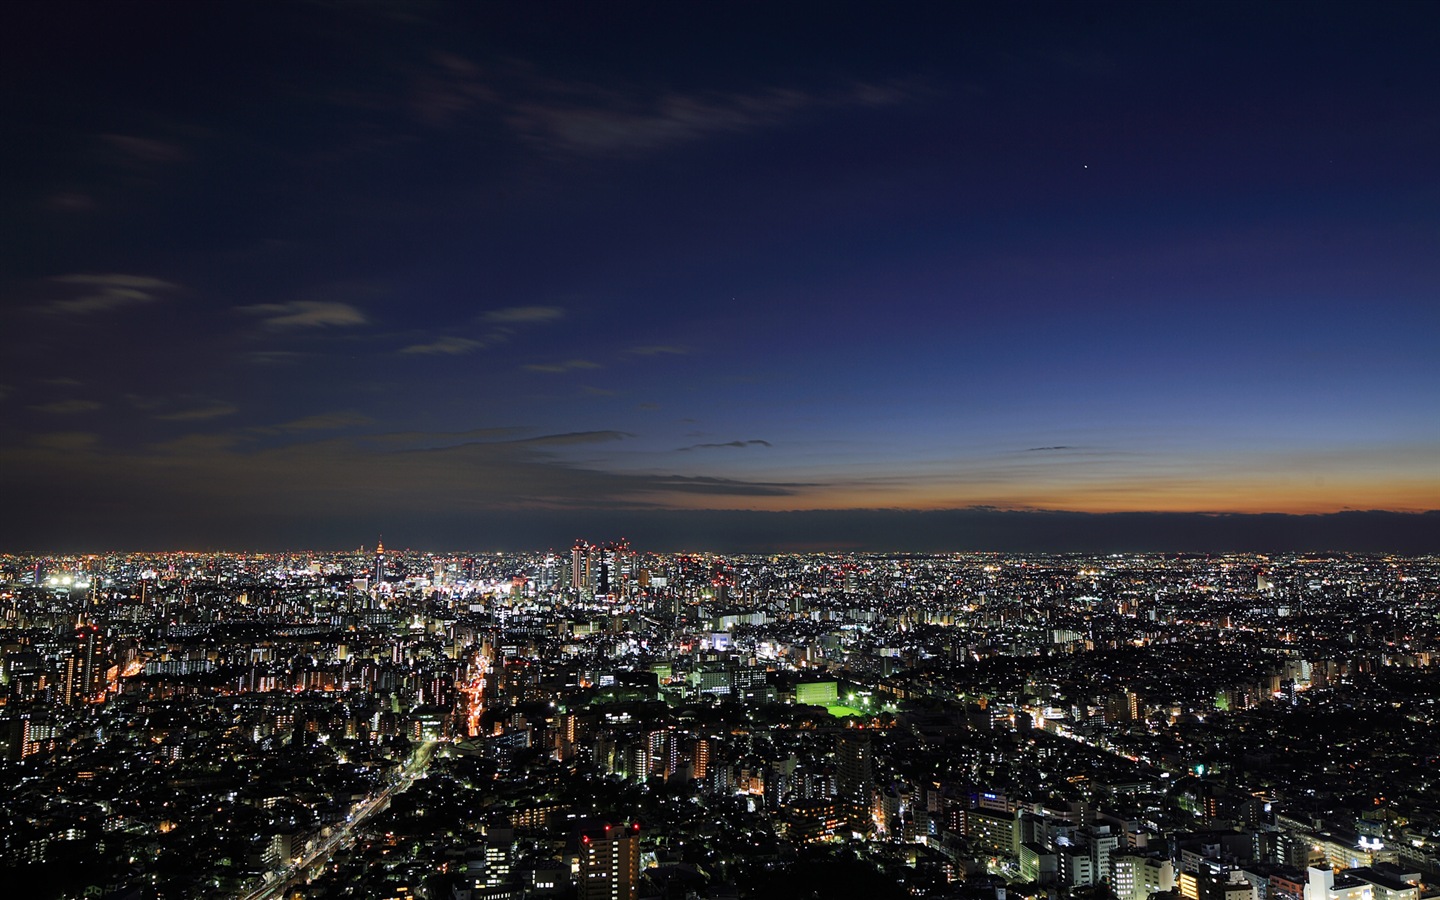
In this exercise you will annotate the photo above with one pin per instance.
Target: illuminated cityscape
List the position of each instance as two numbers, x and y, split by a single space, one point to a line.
719 451
672 725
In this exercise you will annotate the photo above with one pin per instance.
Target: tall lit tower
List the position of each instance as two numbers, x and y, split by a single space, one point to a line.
615 569
83 670
855 779
581 558
610 862
702 758
379 562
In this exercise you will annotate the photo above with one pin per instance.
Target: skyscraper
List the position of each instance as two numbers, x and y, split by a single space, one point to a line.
702 758
83 669
580 561
610 862
855 779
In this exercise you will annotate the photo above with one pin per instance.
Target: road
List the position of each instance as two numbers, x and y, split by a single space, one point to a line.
345 834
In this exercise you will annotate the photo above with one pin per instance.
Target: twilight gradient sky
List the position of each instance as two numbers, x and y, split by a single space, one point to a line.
282 274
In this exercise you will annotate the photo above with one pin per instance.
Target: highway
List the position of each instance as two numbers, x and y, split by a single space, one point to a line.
342 837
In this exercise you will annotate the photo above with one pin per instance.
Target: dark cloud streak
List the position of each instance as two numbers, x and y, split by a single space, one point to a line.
734 444
734 531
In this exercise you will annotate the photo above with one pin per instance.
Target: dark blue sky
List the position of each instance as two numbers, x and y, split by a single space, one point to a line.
295 273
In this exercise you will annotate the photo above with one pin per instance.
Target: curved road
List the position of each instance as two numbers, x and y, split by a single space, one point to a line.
343 836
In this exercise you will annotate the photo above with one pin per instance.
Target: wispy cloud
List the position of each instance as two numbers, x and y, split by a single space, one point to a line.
591 121
423 439
470 472
575 117
147 151
307 314
738 444
447 89
618 128
582 118
1049 449
67 407
198 444
326 422
503 324
272 357
516 315
71 202
570 365
701 484
65 441
445 346
657 350
575 437
100 293
200 414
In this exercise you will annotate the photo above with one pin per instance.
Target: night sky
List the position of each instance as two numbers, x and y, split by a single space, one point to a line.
720 276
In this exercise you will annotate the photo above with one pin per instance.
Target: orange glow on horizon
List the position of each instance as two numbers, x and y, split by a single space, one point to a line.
1240 496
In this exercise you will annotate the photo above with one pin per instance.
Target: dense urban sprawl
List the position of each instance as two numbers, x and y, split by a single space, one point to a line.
605 722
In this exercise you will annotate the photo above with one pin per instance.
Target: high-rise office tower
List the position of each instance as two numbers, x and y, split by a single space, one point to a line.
581 557
617 568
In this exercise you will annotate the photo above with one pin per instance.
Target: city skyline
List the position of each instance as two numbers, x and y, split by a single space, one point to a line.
1101 277
622 723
